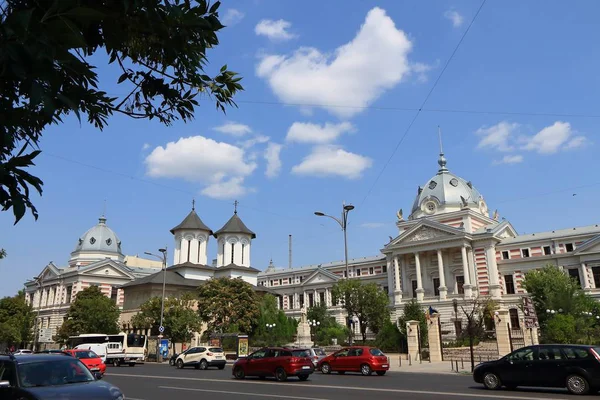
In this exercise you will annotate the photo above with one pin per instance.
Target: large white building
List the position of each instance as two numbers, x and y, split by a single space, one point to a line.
447 248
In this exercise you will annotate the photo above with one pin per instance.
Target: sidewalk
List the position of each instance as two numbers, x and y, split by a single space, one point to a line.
399 363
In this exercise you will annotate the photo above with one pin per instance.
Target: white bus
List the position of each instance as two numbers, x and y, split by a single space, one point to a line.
122 348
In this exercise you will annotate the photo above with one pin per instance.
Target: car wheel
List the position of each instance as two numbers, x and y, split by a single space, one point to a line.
280 374
381 373
365 369
171 362
491 381
180 364
203 364
116 362
239 373
303 377
326 368
577 384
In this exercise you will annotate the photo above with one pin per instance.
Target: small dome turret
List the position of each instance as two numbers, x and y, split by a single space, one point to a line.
98 242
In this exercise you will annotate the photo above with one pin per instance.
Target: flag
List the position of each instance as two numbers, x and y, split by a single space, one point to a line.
432 311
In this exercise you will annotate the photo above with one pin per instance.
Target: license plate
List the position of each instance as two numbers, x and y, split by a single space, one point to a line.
218 357
384 365
305 367
95 369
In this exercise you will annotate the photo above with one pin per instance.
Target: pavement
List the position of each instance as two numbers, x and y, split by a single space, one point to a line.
161 381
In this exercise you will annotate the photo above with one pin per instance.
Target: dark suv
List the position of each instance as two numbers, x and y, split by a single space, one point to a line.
48 376
273 361
575 367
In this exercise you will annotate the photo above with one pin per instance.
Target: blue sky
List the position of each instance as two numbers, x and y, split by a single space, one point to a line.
526 72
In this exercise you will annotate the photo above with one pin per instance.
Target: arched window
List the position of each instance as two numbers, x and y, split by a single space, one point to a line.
232 251
243 246
189 249
514 318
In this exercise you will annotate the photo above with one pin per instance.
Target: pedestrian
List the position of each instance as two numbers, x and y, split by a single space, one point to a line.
12 348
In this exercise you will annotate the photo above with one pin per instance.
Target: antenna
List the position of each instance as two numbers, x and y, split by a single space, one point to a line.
440 138
290 251
104 209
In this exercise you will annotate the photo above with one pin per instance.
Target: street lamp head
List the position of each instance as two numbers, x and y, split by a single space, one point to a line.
349 207
162 250
319 214
147 253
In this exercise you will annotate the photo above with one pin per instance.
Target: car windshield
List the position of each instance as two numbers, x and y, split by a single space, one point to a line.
54 372
215 350
86 354
301 353
375 352
319 352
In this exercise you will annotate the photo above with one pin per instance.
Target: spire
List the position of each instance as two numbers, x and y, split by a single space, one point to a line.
235 204
442 159
102 219
193 204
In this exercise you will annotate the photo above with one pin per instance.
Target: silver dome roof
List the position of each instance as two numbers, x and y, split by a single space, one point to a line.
99 238
446 192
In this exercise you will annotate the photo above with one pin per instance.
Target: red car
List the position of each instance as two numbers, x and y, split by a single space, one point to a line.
89 359
273 361
363 359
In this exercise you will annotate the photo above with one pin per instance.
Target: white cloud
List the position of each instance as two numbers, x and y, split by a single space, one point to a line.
509 159
372 225
455 17
302 132
274 30
421 70
272 155
330 160
221 166
229 189
497 137
146 146
558 136
246 144
233 129
232 17
354 76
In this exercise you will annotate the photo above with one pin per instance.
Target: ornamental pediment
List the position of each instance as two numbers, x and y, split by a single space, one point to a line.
426 233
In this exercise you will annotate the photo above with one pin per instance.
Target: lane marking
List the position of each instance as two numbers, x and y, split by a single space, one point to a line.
309 385
279 396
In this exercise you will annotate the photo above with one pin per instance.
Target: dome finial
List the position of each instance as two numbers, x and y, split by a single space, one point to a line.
193 204
442 159
102 218
235 204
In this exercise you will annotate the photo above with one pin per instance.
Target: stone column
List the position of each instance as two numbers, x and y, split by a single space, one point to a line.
502 334
467 284
527 334
473 269
433 335
412 337
443 289
390 278
397 282
420 291
490 255
585 277
534 336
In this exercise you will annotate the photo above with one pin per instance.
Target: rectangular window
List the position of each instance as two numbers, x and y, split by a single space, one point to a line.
189 249
436 286
223 253
280 282
384 269
232 251
414 289
271 282
505 255
322 297
514 318
280 302
547 250
345 274
69 294
114 294
510 284
525 253
301 300
569 247
370 270
311 300
574 273
243 246
290 302
386 289
460 282
300 279
358 272
596 273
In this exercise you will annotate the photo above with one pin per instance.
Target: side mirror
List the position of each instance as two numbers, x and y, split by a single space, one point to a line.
4 384
97 375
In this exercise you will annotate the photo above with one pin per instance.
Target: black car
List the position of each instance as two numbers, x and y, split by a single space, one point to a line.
575 367
48 376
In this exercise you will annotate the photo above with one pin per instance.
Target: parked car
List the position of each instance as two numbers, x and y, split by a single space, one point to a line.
316 354
51 351
98 348
575 367
273 361
363 359
173 359
23 351
202 358
46 376
90 359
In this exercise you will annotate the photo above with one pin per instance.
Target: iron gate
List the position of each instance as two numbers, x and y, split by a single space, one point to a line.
517 338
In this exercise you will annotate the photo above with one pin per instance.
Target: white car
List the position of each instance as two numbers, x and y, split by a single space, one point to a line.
201 358
98 348
22 351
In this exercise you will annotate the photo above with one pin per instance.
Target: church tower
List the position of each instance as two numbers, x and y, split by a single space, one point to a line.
233 242
191 240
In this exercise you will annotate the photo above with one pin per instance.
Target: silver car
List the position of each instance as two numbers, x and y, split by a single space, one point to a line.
315 354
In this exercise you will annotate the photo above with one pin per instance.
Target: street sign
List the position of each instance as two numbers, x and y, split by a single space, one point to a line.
45 335
161 329
531 320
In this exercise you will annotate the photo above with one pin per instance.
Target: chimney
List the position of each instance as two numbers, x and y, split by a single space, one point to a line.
290 251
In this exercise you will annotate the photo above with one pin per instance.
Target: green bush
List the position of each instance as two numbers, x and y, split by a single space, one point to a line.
389 338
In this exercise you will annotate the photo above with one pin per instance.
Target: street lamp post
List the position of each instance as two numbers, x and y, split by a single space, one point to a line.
346 208
313 328
162 302
270 330
39 281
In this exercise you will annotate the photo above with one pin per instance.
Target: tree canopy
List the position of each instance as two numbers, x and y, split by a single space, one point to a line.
285 327
91 312
16 320
367 301
180 320
573 319
50 51
328 328
2 253
224 303
413 311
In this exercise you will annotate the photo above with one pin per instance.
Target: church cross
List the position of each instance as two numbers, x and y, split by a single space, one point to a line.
193 204
235 204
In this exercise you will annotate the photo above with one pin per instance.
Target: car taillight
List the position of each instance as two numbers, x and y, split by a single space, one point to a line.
294 359
595 354
316 357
